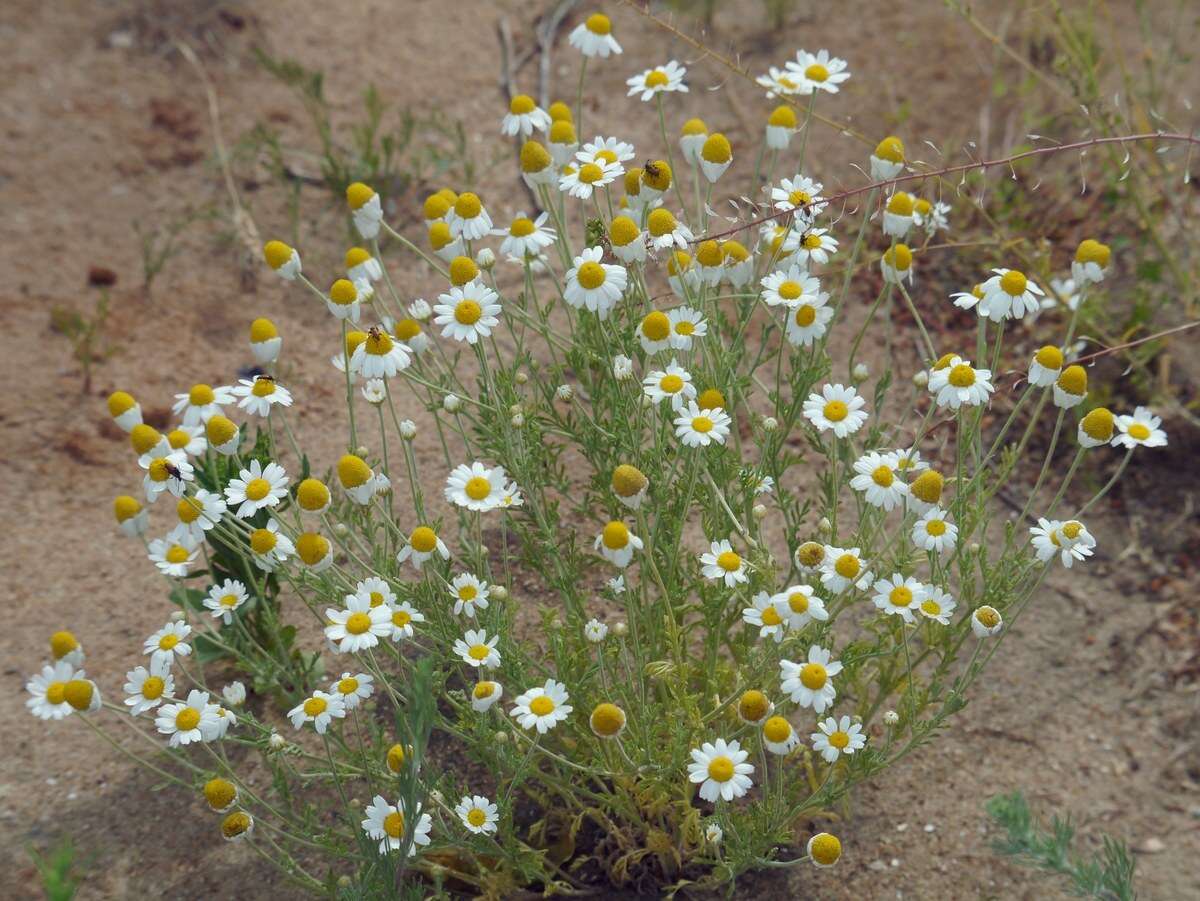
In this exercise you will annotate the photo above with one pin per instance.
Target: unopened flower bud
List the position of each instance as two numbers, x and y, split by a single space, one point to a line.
521 377
499 592
500 738
647 401
860 372
760 512
622 367
620 629
770 424
920 378
344 881
823 524
436 796
408 429
341 530
485 259
361 451
564 393
277 742
973 547
518 420
420 310
891 717
451 403
177 616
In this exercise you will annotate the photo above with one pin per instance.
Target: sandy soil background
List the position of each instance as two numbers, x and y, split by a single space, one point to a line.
1092 709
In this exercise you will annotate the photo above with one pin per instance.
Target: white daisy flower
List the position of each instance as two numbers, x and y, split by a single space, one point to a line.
957 383
365 208
818 71
386 822
1091 262
595 631
477 650
166 470
257 488
627 240
606 150
1071 388
375 591
792 288
583 180
1070 540
188 721
468 219
713 833
469 593
764 616
124 410
380 356
1009 294
270 548
683 277
358 626
542 708
66 647
259 394
224 599
810 684
616 585
938 605
374 391
617 543
1046 367
476 487
842 568
722 562
593 37
424 542
173 558
721 770
888 159
593 285
674 384
815 245
986 621
168 643
837 408
797 605
404 615
526 237
686 325
908 460
667 231
344 300
524 117
658 80
654 331
484 695
146 688
48 691
933 217
878 479
896 264
801 195
837 737
700 428
468 313
1140 428
234 694
1062 290
739 264
692 136
223 435
808 320
780 83
899 596
197 514
132 518
361 266
709 264
934 531
201 403
320 709
283 259
353 689
265 342
898 214
478 814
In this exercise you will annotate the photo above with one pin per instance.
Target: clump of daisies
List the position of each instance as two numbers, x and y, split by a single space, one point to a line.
670 559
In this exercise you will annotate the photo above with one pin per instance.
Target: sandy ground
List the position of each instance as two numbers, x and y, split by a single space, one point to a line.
1092 708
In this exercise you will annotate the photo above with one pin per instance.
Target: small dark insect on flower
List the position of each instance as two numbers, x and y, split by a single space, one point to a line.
651 168
172 471
266 377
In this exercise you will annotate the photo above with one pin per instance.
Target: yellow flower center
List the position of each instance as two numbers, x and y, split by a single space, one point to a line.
891 149
468 205
187 719
1139 431
160 469
799 198
816 72
711 399
257 489
56 692
541 706
798 602
607 719
685 327
126 507
263 387
702 424
467 312
521 227
657 78
168 641
812 241
790 290
671 384
1092 251
923 206
220 430
988 617
177 554
720 769
178 439
590 173
753 705
1050 357
358 623
935 527
836 410
1013 283
219 793
276 253
927 487
770 617
962 376
847 566
826 849
440 235
1073 380
229 600
343 292
811 553
62 644
615 535
813 676
661 222
931 607
315 706
901 204
900 596
1098 425
423 539
479 651
883 476
401 618
376 598
898 257
782 117
262 541
483 690
777 729
839 740
598 23
347 686
476 817
729 561
716 149
534 158
358 195
521 105
393 824
656 326
477 488
1072 529
590 276
462 270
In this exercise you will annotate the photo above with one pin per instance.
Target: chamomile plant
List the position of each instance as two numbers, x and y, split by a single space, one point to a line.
659 534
